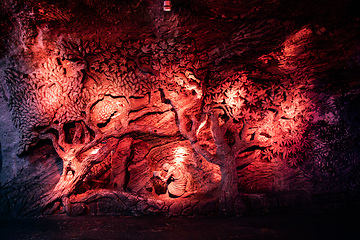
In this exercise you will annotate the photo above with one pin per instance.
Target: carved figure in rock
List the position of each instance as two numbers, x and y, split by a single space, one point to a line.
177 179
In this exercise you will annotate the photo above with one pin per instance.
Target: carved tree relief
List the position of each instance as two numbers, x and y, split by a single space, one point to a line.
106 108
188 112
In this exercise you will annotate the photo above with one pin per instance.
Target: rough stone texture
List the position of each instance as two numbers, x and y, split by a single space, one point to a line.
256 104
10 164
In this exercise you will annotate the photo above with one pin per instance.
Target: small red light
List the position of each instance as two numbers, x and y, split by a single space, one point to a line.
167 6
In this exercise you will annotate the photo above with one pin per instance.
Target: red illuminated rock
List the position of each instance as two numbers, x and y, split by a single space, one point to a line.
124 109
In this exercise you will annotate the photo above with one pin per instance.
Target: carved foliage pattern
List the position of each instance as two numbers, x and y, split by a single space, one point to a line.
84 95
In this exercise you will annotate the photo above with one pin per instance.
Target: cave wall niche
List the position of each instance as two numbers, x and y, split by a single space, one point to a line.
122 108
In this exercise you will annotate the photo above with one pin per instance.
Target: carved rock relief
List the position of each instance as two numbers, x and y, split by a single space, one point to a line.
120 108
116 114
104 111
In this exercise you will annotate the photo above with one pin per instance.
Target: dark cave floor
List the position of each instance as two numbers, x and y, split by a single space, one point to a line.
330 224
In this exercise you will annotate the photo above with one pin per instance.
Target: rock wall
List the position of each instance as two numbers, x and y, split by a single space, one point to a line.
122 108
11 164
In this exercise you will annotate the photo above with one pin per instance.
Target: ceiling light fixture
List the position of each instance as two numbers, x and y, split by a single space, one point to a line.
167 6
